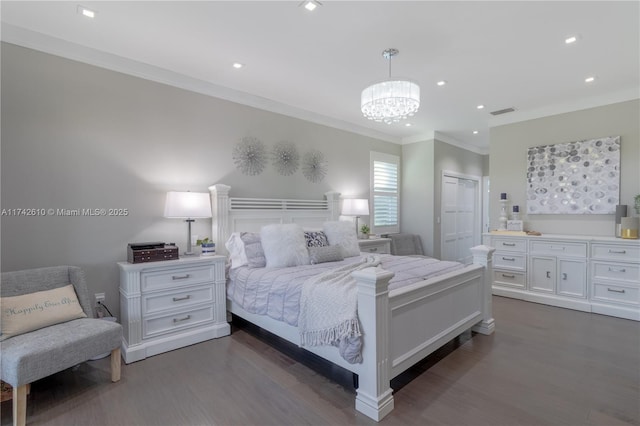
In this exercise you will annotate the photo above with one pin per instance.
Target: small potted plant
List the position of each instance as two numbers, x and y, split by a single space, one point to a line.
364 230
637 203
208 246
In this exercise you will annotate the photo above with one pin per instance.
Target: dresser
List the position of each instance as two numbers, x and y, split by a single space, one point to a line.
375 245
586 273
170 304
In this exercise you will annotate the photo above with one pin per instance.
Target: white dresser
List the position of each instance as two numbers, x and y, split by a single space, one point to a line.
170 304
587 273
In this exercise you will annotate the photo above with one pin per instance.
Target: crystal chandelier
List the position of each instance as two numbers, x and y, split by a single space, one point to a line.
390 100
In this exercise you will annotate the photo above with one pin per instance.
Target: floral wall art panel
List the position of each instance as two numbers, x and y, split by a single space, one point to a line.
581 177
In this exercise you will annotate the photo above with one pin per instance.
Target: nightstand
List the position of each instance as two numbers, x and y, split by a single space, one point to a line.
375 245
171 304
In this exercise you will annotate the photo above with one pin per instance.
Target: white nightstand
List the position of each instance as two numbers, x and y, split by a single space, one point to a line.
170 304
376 245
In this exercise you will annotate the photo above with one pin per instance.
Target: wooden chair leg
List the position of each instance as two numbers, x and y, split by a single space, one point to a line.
115 365
20 405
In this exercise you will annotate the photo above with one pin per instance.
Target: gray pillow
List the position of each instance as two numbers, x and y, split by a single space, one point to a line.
325 254
253 250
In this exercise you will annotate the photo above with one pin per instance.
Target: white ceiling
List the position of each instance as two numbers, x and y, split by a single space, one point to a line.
314 65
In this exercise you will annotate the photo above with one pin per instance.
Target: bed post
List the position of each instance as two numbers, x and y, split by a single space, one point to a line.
220 216
482 255
374 395
333 201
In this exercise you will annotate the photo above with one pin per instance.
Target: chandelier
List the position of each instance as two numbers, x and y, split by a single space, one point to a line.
390 100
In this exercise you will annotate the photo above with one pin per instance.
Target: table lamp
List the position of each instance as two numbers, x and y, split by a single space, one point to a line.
355 207
188 206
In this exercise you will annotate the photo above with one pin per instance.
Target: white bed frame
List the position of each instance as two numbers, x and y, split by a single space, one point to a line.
399 327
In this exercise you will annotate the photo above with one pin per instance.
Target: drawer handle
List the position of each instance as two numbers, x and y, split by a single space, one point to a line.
510 259
508 276
177 299
617 251
564 276
613 290
373 249
509 244
176 320
617 270
556 248
548 274
180 277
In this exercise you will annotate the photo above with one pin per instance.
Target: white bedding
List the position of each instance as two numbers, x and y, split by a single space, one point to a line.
276 291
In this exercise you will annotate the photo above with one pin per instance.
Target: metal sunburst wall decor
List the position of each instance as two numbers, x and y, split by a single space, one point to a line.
250 156
285 158
314 166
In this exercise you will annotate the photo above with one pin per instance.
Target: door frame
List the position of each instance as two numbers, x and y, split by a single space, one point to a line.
477 225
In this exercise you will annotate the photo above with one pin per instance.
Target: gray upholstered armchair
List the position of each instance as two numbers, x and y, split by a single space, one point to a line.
39 353
406 245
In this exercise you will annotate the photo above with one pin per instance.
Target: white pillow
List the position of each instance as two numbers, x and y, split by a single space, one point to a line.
284 245
342 233
235 247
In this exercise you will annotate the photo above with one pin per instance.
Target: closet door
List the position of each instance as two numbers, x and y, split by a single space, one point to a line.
460 218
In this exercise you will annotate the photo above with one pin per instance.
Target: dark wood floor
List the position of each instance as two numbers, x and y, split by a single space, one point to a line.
543 366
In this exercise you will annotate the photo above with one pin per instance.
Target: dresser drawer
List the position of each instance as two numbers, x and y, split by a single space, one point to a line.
177 321
509 244
159 302
621 253
614 293
510 260
558 248
625 272
510 279
166 279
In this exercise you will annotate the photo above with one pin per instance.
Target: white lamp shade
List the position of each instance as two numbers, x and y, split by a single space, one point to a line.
187 205
355 207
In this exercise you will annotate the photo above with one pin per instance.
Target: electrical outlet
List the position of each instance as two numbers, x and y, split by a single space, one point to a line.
99 297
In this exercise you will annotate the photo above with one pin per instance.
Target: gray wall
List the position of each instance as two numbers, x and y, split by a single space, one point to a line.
422 167
508 155
77 136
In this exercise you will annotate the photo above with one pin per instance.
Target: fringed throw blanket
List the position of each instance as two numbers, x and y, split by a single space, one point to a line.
329 305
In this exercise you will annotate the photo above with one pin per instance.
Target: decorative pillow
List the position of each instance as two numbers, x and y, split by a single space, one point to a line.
325 254
253 250
235 247
342 233
28 312
316 238
284 245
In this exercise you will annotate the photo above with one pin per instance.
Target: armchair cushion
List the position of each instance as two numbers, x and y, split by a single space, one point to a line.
32 311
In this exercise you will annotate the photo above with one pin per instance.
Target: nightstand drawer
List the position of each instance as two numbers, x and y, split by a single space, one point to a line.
155 302
377 245
509 244
621 253
379 248
177 321
510 260
625 272
510 279
614 293
558 248
176 277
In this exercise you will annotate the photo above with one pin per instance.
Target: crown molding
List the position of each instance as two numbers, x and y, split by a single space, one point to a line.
55 46
452 141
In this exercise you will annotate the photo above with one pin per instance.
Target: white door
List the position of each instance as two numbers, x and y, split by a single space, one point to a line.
460 224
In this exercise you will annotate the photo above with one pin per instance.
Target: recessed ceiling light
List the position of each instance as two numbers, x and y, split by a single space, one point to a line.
571 39
407 124
480 106
589 79
237 65
475 132
86 12
310 5
441 83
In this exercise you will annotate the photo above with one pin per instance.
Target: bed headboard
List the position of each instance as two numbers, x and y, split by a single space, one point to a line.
250 214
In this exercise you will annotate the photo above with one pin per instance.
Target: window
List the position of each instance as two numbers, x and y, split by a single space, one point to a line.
385 193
